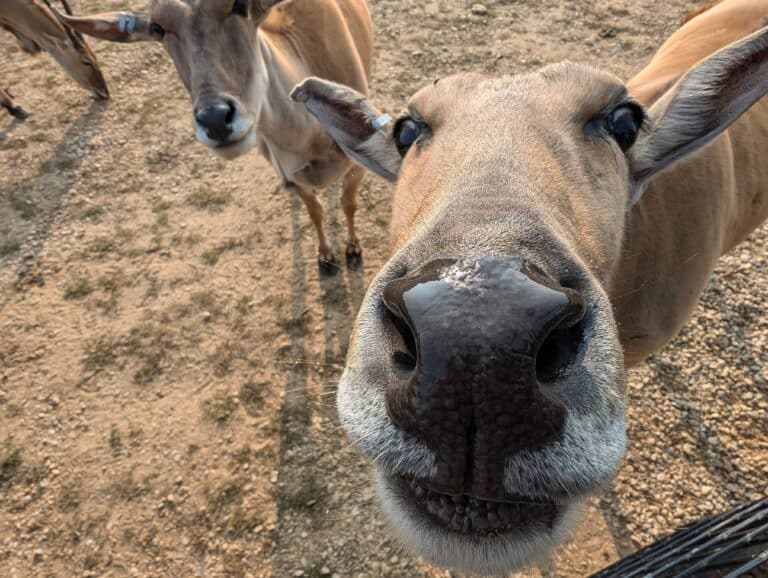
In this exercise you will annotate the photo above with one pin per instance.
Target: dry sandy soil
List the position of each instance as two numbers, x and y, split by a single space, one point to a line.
169 355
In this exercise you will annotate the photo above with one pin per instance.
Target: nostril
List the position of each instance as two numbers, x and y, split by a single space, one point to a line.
559 350
231 113
216 120
404 356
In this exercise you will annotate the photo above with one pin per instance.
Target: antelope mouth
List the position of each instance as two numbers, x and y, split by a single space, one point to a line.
467 515
233 148
473 535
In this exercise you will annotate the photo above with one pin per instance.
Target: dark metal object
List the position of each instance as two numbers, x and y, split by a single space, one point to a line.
731 545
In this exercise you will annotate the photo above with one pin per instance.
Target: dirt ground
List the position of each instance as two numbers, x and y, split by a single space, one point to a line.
169 355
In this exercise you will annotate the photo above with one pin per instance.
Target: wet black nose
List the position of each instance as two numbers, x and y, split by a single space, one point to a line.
216 120
479 338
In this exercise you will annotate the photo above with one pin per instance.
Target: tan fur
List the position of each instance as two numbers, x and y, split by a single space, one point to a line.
696 11
702 207
37 28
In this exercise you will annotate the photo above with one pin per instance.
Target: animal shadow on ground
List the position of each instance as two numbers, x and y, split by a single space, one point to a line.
311 377
51 185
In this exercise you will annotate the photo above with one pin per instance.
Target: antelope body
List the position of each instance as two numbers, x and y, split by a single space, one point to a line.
702 208
549 229
37 28
239 60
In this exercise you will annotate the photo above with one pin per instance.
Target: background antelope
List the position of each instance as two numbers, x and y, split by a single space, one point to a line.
549 229
37 28
239 60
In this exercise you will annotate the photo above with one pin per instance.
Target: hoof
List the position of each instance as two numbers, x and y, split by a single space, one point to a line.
354 257
327 265
18 112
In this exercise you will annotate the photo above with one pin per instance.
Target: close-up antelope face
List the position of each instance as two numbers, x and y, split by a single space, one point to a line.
218 54
485 374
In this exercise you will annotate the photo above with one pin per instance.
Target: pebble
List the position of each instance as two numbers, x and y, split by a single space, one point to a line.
479 10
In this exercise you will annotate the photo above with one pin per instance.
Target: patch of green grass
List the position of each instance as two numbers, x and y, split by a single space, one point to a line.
160 206
297 325
91 212
78 289
101 246
250 395
151 345
294 420
107 305
231 493
150 369
26 207
9 467
115 440
153 287
100 353
64 163
243 305
220 408
303 494
207 198
335 296
13 144
69 497
162 220
206 301
112 282
211 257
243 455
9 248
224 355
124 235
127 489
240 522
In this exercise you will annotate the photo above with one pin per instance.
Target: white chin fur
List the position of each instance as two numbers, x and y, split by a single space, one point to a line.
490 555
230 151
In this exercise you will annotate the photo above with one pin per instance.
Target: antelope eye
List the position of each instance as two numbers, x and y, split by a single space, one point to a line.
624 125
407 132
240 8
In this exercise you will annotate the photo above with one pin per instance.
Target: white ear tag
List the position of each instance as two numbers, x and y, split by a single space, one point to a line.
126 23
380 122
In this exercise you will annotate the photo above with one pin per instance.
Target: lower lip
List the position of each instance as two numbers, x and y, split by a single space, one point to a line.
467 515
230 144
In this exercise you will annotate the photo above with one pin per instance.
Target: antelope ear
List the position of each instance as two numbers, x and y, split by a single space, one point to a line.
700 106
116 26
361 131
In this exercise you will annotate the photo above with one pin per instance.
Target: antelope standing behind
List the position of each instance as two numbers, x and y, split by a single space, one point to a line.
549 229
37 28
239 60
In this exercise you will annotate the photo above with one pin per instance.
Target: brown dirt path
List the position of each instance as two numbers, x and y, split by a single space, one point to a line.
168 355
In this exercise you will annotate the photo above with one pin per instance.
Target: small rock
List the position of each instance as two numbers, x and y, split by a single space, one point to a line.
479 10
325 571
